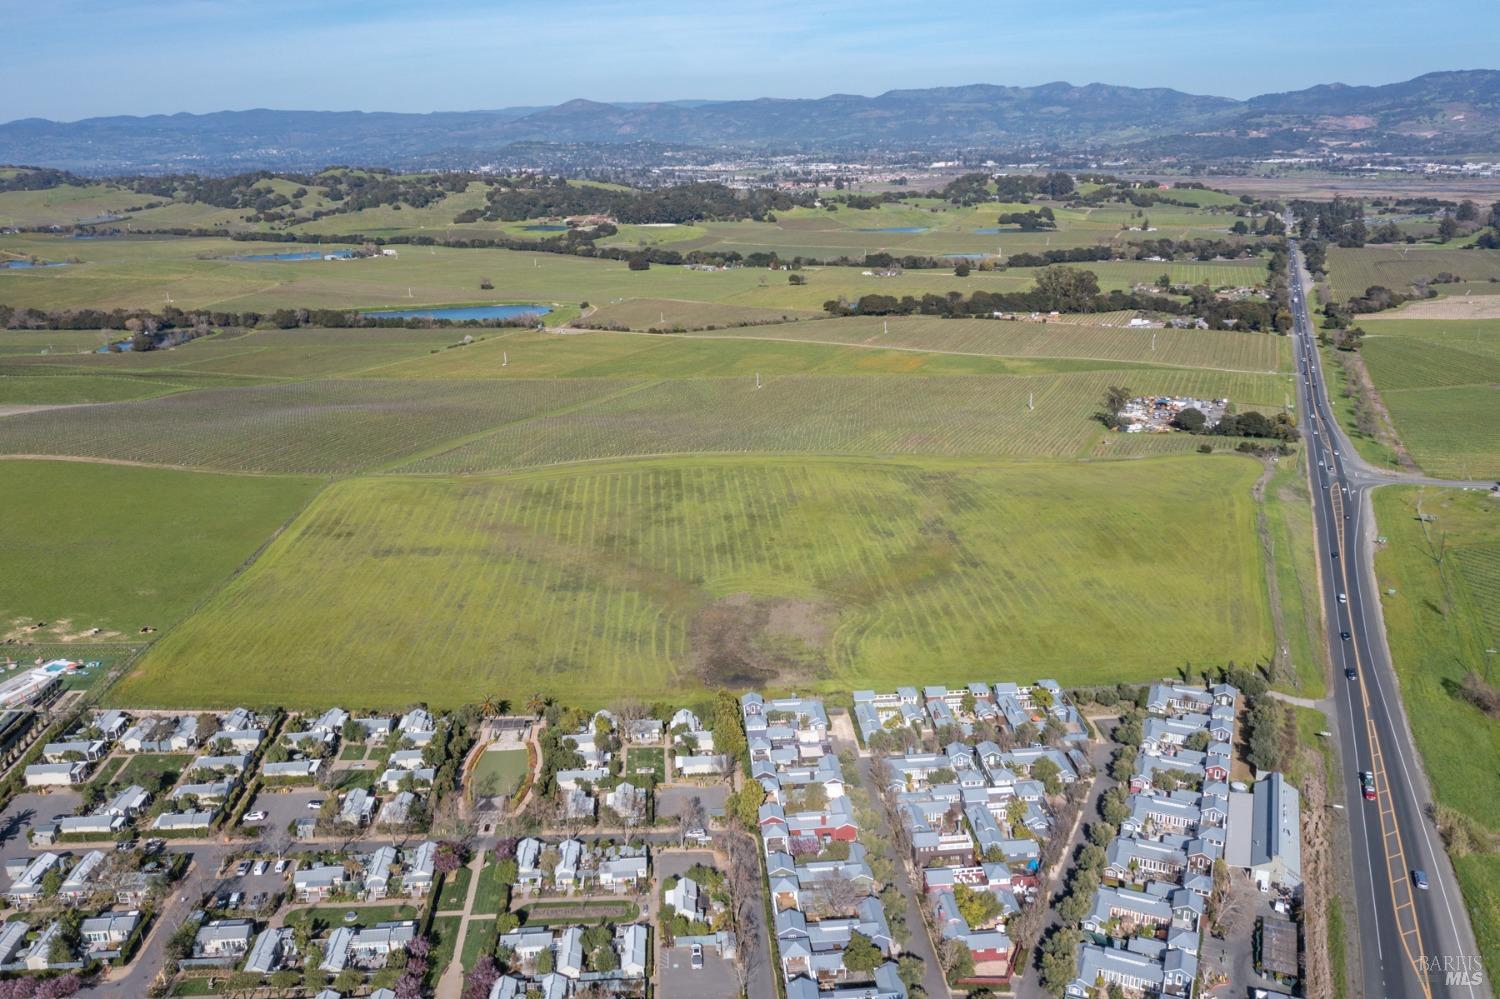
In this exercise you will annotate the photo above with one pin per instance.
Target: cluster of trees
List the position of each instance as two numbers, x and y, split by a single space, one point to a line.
1037 220
1248 424
1377 298
1068 289
1340 221
1198 249
1265 724
975 188
39 179
171 327
682 203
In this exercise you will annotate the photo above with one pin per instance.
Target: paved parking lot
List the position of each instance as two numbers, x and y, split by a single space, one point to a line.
25 811
249 885
671 799
284 807
669 863
715 980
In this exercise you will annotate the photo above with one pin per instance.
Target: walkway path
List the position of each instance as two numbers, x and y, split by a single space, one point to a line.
451 985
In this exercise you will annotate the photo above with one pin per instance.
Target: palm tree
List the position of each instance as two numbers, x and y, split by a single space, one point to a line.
502 706
536 704
487 706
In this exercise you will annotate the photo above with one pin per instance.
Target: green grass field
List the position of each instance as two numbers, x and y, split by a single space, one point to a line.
1352 270
1185 348
118 548
1440 622
500 770
522 354
198 273
645 579
321 426
1024 416
666 314
1440 380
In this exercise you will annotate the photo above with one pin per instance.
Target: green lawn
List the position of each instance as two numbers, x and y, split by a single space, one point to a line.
584 911
119 548
492 896
332 916
444 937
147 768
499 771
455 890
647 760
479 939
661 579
1440 621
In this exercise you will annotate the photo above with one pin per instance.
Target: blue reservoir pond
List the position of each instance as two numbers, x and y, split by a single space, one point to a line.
461 313
26 265
298 255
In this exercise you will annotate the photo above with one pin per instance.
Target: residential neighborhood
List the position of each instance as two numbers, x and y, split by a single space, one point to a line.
896 836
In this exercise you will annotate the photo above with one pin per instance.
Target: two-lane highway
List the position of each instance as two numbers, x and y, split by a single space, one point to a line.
1414 934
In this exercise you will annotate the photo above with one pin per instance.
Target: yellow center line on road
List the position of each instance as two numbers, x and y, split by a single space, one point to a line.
1395 855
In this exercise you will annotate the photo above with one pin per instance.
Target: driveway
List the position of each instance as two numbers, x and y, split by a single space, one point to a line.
1028 984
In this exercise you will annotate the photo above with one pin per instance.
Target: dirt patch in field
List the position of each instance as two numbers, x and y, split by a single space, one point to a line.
1457 307
31 630
745 641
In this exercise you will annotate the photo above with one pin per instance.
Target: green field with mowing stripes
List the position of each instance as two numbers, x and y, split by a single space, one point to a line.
1353 269
664 577
1021 416
321 426
97 546
1187 348
1440 380
523 354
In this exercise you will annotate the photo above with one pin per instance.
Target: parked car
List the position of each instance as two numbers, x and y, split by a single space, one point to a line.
315 804
255 816
280 866
260 867
697 957
1367 785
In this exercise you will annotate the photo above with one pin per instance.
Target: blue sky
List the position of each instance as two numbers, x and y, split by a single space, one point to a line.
68 59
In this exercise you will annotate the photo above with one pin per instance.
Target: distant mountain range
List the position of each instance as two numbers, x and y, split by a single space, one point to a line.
1447 113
